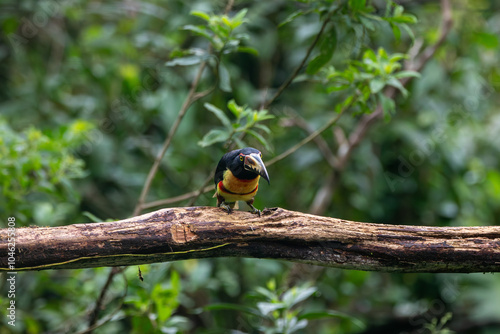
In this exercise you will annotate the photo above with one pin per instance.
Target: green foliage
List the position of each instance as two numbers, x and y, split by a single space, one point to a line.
274 312
33 163
437 326
154 310
367 78
247 121
87 103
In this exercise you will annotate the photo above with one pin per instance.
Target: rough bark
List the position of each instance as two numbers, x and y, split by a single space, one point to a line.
201 232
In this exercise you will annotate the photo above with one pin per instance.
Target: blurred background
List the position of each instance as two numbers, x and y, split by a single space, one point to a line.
89 91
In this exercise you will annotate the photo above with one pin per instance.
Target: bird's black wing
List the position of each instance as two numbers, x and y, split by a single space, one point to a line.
221 167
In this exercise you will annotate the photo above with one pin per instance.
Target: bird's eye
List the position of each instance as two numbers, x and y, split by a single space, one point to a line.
241 158
260 155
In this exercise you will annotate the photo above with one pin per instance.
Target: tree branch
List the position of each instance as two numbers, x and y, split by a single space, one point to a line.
202 232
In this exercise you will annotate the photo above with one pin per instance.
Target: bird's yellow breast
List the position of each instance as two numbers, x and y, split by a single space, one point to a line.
234 189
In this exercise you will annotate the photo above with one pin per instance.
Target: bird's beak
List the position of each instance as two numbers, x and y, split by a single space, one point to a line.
254 163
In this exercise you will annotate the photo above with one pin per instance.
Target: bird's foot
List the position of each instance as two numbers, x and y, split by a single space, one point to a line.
227 206
254 209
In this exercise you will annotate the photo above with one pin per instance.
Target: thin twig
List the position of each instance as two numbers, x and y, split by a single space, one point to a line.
301 65
318 140
200 191
98 305
313 135
112 314
428 53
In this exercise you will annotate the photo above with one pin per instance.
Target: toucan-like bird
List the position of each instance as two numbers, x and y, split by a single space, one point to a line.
237 178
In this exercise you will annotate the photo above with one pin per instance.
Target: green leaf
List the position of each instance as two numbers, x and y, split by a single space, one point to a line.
376 85
214 136
293 16
199 30
263 115
260 138
224 79
367 23
357 5
406 18
388 106
295 295
263 128
166 299
201 15
397 84
265 308
247 49
235 108
396 32
398 10
220 115
489 41
92 217
187 61
331 314
239 18
408 31
265 292
233 307
327 47
406 74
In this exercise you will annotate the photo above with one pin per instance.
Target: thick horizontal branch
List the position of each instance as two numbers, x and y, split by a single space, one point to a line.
201 232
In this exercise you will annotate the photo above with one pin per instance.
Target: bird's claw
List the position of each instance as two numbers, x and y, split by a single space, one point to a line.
255 210
227 207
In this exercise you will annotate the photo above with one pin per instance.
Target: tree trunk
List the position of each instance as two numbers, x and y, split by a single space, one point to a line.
202 232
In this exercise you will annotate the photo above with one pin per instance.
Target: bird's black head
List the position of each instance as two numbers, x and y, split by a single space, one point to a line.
246 163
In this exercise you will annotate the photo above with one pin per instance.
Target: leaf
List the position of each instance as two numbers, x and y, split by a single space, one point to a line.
214 136
201 15
187 61
166 299
327 47
293 16
367 22
265 292
388 106
219 114
263 128
397 84
92 217
260 138
262 115
357 5
406 74
331 314
376 85
200 30
296 295
265 308
489 41
408 31
235 108
224 79
233 307
239 18
396 31
247 49
406 18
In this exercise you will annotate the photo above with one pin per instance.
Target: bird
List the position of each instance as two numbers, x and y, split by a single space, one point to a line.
237 178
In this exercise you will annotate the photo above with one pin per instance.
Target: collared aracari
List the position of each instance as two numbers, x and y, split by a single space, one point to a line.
237 178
